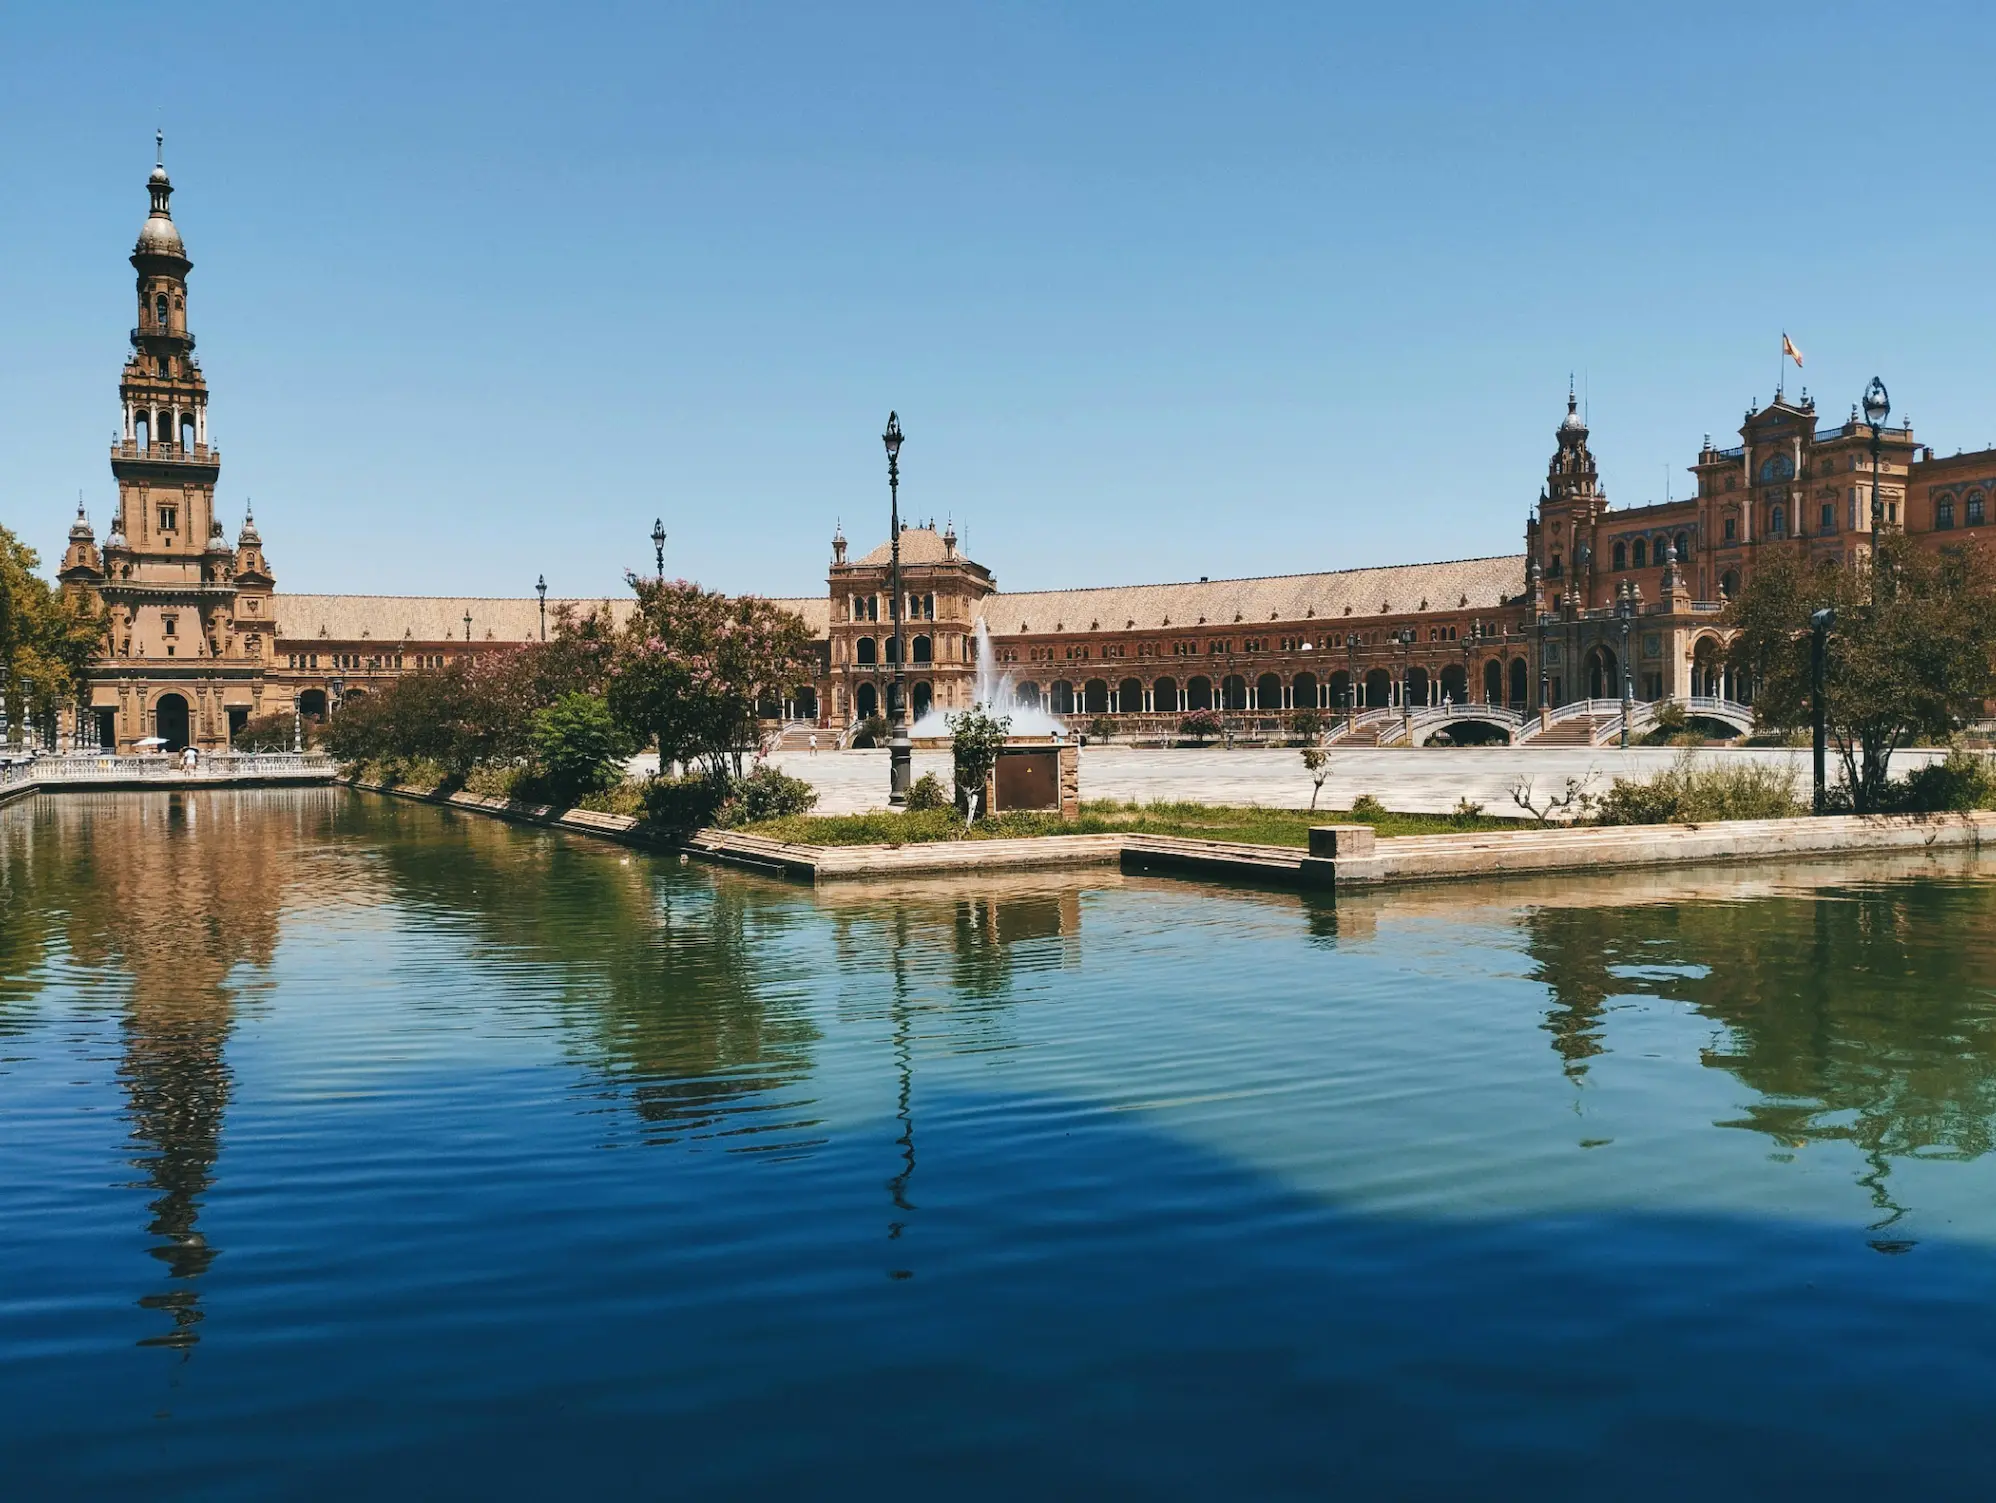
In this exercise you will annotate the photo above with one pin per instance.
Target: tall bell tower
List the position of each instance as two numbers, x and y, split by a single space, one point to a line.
187 643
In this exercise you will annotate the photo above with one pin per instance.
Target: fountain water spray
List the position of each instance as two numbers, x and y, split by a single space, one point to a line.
998 695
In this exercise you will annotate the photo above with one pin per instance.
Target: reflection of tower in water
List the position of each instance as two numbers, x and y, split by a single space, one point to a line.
176 891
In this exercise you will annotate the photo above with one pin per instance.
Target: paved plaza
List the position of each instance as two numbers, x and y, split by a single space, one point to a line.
1414 780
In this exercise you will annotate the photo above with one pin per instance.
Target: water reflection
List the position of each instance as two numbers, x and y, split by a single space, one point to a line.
1858 1014
167 897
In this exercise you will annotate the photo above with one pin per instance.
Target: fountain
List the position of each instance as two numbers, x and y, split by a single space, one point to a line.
996 693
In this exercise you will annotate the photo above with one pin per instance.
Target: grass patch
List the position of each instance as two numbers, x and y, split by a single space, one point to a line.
1249 825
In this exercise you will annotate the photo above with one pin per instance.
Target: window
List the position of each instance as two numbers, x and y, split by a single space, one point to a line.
1975 509
1254 644
1777 467
1732 528
169 518
1828 522
159 311
1641 554
168 623
1216 646
1621 555
1184 649
1683 548
1777 522
1944 515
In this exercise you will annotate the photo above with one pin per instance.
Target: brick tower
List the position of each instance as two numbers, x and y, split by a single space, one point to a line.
189 629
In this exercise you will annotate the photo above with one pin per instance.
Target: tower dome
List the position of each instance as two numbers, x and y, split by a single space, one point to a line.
159 236
80 530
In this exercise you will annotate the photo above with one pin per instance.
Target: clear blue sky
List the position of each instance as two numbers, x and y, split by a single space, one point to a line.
1159 290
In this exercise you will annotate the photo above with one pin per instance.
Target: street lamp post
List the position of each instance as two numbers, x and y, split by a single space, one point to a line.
467 628
541 589
1545 669
1877 408
1351 676
900 753
1626 609
1819 657
658 544
1405 637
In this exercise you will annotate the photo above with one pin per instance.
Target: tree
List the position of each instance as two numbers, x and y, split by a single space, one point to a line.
576 741
692 664
47 638
1307 724
1201 725
1317 762
976 738
1912 655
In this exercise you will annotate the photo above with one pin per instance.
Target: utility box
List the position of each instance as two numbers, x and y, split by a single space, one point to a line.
1037 777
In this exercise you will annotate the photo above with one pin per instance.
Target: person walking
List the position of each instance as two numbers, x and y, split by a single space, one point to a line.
814 743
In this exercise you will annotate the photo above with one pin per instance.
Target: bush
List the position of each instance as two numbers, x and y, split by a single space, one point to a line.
765 794
872 731
1101 728
1307 725
926 793
975 741
681 805
1688 793
578 748
1366 809
1964 780
1201 725
265 733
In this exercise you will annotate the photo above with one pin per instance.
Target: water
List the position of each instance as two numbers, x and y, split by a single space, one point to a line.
998 694
356 1148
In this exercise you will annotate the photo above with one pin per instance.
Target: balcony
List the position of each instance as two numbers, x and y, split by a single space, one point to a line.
168 453
180 338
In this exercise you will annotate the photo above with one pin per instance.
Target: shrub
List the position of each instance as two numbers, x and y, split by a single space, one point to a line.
926 793
1201 725
265 733
1366 808
872 731
578 747
681 805
1101 728
1964 780
1688 793
767 794
1307 725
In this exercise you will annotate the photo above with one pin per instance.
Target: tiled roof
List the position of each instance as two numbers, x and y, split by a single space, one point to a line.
1396 590
440 618
919 545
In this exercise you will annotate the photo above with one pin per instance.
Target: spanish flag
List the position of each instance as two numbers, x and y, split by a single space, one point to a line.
1788 349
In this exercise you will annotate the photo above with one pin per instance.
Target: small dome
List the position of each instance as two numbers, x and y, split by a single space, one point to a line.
159 237
1572 422
158 175
79 530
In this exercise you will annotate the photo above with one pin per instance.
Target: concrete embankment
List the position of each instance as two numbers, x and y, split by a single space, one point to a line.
1340 855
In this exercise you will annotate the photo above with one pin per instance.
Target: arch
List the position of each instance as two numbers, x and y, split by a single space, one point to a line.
804 700
1683 546
1416 689
1520 683
187 432
924 698
1340 695
892 645
1621 555
169 718
1095 697
1708 669
1976 509
1640 558
1378 689
1233 692
1604 679
866 652
1304 693
1777 521
1729 584
865 702
159 305
1130 696
1493 682
1164 696
1455 684
1063 697
1199 692
924 650
312 704
142 428
1268 692
1027 696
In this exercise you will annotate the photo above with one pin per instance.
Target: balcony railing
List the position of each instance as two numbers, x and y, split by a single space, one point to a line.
184 338
176 453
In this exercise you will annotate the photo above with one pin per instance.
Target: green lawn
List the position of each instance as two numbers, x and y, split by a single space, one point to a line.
1102 817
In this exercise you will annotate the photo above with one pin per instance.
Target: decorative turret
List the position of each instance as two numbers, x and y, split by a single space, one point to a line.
838 544
251 568
1572 475
81 564
949 540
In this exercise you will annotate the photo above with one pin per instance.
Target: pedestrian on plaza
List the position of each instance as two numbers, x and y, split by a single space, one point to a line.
814 743
187 759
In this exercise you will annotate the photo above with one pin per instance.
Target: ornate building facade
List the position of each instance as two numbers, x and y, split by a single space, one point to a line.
1600 600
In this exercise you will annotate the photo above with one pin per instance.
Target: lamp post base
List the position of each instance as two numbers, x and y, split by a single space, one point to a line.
900 768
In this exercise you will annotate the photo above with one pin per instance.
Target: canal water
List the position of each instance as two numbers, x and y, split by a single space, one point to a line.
359 1148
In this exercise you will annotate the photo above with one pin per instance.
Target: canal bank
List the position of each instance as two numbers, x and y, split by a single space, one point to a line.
1338 856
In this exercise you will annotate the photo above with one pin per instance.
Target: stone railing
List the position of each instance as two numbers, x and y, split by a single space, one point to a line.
68 768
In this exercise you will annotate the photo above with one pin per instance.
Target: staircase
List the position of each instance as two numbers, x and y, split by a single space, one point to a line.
796 737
